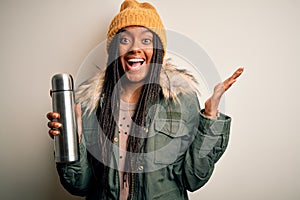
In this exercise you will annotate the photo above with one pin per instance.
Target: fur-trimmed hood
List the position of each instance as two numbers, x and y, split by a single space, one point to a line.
172 80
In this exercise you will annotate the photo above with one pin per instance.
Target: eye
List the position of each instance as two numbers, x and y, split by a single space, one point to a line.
146 41
124 40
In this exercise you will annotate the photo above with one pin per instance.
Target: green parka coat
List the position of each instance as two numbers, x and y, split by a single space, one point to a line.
182 145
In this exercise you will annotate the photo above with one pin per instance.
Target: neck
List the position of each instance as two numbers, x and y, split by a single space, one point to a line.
131 92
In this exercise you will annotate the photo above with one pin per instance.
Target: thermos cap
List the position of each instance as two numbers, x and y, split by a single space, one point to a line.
62 82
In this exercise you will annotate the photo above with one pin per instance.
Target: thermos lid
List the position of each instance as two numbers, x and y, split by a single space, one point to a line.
62 82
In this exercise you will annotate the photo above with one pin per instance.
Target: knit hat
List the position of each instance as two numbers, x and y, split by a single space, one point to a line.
133 13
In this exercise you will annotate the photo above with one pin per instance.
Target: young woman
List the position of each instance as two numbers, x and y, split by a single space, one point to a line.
142 133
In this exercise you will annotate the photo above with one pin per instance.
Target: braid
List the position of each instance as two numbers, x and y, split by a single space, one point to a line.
107 109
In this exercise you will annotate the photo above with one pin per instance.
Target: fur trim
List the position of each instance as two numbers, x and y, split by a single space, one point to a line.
172 80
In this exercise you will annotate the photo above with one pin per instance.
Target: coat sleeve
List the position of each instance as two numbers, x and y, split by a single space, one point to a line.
209 144
75 177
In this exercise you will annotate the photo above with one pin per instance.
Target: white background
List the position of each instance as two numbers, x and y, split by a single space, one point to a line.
39 38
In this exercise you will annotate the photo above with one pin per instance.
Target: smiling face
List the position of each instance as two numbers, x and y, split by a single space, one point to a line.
136 50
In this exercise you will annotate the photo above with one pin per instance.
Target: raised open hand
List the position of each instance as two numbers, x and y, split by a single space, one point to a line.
211 105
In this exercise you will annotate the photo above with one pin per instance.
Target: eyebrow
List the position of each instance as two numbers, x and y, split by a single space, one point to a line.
126 31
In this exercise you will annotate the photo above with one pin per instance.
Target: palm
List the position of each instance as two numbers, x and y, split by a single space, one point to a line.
211 105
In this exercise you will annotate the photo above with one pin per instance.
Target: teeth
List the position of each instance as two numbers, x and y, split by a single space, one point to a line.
136 60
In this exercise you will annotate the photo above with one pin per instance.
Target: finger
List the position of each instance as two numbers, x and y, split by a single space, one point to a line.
237 73
55 125
53 115
53 133
228 82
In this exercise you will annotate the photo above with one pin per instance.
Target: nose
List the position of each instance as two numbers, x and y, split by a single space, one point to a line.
135 47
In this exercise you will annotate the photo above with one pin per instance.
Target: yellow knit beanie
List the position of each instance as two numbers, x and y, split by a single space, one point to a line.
133 13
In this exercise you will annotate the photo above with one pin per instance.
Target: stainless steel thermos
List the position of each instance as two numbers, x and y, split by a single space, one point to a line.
66 143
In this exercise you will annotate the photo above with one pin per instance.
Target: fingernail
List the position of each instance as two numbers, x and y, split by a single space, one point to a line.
56 132
53 132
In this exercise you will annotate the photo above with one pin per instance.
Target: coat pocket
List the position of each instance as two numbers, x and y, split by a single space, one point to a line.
168 136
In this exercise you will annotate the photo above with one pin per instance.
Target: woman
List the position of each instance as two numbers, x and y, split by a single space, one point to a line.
143 135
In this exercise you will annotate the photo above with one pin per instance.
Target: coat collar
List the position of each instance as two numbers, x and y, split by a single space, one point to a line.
174 81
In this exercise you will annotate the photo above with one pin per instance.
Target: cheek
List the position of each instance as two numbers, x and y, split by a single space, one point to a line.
122 50
149 53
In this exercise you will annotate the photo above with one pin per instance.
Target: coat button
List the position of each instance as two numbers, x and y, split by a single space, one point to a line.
146 129
116 139
140 168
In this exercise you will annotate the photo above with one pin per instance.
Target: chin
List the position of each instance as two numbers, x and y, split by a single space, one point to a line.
135 78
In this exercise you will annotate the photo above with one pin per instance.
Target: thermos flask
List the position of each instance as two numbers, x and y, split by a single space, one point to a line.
66 143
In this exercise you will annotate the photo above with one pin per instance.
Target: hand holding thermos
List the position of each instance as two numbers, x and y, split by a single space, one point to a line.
64 126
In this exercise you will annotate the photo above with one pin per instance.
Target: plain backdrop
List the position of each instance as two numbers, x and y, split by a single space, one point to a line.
39 38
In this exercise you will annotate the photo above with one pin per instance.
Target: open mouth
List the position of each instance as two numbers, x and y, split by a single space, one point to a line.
135 63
